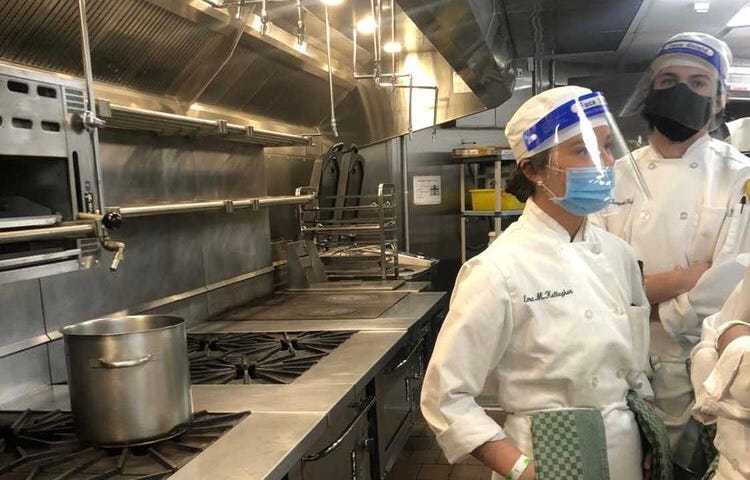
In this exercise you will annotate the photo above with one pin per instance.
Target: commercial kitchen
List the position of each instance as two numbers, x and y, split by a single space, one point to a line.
276 197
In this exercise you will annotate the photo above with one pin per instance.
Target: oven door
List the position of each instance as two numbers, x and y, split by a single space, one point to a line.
346 450
398 388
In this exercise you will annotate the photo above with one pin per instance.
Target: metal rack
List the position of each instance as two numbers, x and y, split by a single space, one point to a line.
483 155
131 118
363 240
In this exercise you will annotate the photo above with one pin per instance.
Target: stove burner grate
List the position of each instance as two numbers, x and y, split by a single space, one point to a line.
43 446
251 358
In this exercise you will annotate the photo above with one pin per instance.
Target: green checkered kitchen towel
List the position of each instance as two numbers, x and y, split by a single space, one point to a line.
712 469
654 437
569 444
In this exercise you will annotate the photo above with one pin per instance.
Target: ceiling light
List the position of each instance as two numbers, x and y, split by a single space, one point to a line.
366 26
741 18
332 3
702 6
393 47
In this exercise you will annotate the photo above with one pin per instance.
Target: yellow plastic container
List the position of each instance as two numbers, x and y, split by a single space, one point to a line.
482 199
510 202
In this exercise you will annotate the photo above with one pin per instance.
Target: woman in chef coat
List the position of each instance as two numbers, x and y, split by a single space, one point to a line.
721 377
553 312
695 223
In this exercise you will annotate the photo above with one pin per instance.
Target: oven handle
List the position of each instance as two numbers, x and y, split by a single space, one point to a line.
330 448
406 360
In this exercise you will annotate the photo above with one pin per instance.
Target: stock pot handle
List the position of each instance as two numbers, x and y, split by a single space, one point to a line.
124 363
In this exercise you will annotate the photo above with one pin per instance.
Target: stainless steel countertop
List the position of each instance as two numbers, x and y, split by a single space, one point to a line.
401 316
292 398
263 446
286 419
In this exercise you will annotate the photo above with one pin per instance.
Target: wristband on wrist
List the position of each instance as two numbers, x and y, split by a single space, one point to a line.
518 468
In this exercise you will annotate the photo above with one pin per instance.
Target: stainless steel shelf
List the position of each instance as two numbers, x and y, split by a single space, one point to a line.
486 159
25 222
227 205
365 228
70 230
131 118
503 214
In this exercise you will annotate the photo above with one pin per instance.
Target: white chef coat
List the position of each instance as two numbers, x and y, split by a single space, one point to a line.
551 324
722 391
695 215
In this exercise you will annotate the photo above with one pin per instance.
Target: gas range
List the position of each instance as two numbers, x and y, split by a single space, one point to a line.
258 358
36 445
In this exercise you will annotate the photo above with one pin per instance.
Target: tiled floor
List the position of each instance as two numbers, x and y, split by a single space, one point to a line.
422 459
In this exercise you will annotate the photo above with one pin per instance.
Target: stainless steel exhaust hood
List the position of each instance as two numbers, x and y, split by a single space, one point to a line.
472 36
190 58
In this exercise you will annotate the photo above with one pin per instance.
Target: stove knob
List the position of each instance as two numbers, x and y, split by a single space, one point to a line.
112 220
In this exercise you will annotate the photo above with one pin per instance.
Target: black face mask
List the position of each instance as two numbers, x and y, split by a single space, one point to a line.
677 112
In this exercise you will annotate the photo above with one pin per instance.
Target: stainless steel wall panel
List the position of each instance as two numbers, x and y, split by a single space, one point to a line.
235 244
142 169
22 316
222 300
78 296
164 257
229 173
194 310
283 176
434 229
57 362
23 373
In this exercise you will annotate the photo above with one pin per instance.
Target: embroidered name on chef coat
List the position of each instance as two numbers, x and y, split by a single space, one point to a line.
627 201
546 295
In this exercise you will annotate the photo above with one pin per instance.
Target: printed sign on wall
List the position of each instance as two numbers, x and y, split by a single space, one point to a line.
427 190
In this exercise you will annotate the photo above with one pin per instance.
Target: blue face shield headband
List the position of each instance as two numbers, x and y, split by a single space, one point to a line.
696 49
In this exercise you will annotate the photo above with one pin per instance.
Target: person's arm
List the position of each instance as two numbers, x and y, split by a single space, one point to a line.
731 334
475 335
721 363
501 456
662 287
683 314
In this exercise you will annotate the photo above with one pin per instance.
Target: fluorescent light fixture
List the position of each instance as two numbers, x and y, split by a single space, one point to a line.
741 18
702 6
393 47
366 26
332 3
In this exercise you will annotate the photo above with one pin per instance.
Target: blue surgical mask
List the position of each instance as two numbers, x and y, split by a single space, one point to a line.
587 190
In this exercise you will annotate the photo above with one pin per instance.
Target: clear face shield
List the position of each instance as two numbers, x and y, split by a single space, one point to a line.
680 94
582 144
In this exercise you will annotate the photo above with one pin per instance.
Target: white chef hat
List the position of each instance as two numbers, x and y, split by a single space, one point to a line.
553 116
694 49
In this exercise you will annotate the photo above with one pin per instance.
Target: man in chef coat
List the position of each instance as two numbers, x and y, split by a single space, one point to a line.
721 377
688 233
